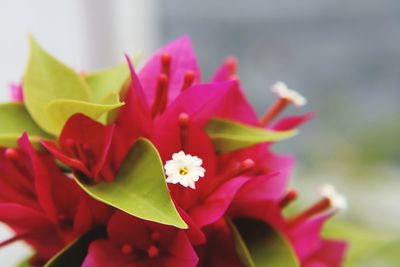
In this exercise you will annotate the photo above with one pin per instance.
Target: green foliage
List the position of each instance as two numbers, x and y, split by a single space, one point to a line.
53 92
60 110
259 244
47 79
140 188
106 82
228 136
15 120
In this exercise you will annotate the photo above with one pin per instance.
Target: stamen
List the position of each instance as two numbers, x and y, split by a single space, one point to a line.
281 89
11 154
273 111
166 63
153 251
236 79
246 165
183 121
188 80
183 171
239 169
290 196
161 99
236 170
286 96
126 249
337 201
232 64
319 207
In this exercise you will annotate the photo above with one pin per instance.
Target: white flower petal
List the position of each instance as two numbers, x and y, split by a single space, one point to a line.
281 89
192 164
338 201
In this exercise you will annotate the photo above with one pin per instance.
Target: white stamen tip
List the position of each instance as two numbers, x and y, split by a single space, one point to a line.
338 201
281 89
184 169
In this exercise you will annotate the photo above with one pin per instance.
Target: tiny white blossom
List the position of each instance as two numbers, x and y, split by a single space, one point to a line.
293 96
184 169
338 201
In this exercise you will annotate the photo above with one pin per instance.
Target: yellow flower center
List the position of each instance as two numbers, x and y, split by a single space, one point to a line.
183 171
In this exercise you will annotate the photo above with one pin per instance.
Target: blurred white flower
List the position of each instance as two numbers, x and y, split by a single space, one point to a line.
337 201
281 89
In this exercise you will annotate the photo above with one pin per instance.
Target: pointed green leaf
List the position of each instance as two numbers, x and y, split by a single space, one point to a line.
259 244
47 79
75 252
15 120
58 111
228 135
139 188
108 81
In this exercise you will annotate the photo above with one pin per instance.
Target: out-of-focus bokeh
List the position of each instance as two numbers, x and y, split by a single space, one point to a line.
344 56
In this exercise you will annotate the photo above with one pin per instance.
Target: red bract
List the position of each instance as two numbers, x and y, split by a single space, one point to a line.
84 145
330 253
310 247
219 251
41 204
133 121
135 242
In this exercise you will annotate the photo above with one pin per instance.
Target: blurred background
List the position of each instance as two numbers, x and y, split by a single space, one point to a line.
344 56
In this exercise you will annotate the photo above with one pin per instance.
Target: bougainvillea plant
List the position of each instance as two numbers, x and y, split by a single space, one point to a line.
154 167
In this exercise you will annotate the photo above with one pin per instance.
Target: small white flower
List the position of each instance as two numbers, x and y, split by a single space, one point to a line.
184 169
338 201
293 96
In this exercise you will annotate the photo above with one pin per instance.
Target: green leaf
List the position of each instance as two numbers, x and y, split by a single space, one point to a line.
139 188
58 111
103 83
75 252
15 120
228 136
47 79
259 244
109 81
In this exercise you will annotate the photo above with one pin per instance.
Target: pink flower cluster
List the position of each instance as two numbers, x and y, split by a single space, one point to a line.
168 103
